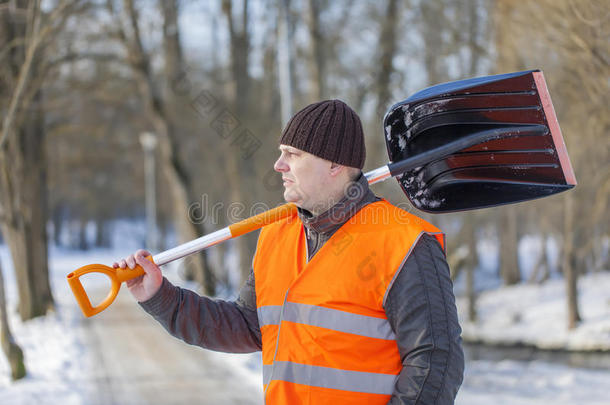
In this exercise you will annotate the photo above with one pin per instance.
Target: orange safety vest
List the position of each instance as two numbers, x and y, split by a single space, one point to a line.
325 334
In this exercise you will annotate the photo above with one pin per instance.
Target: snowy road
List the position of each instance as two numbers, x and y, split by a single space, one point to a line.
511 382
123 357
140 363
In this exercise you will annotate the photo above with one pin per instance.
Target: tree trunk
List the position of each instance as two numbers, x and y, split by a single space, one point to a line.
237 167
316 61
471 265
12 351
569 268
102 239
387 47
23 197
172 47
58 222
198 266
23 194
83 243
433 20
474 31
508 57
171 164
509 255
541 271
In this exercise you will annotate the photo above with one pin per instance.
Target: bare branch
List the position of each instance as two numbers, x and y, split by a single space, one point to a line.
33 21
80 56
24 76
593 23
120 31
35 40
10 46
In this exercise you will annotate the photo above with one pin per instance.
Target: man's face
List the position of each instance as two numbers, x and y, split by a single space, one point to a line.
305 177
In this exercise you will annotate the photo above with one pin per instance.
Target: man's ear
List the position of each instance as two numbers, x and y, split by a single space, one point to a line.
336 169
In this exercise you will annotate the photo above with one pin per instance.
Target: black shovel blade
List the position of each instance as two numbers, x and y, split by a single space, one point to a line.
519 152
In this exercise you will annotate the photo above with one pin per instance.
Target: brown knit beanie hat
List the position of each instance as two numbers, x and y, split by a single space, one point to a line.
329 129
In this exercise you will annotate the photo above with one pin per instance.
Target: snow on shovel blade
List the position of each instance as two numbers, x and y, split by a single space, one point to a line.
524 156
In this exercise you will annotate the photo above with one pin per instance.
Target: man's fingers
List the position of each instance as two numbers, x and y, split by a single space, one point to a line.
131 261
146 264
142 252
122 264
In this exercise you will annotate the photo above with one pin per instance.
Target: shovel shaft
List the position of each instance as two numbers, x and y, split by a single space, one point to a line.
118 276
262 219
247 225
193 246
379 174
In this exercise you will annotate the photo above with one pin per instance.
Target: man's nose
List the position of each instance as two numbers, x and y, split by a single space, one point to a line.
280 165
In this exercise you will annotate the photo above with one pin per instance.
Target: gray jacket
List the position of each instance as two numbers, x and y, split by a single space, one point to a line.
420 307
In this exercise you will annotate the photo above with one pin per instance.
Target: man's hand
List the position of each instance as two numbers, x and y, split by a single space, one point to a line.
144 287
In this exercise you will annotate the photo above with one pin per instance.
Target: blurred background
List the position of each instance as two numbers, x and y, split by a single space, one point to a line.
129 124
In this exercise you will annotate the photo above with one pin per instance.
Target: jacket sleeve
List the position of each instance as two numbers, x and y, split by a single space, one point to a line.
420 307
213 324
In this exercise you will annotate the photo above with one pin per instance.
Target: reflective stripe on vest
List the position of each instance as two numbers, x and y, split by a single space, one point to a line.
325 334
340 321
326 377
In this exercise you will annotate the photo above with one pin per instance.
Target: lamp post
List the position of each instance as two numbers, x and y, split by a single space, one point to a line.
148 140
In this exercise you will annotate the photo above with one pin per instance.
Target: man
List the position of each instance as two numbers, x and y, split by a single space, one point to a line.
350 303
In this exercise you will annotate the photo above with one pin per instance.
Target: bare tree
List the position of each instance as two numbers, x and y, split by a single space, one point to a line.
27 36
159 112
541 270
387 48
569 40
568 265
316 60
508 59
509 245
241 83
435 24
472 263
11 349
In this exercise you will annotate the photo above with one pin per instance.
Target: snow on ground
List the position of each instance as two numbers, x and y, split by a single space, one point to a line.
536 315
531 383
61 367
56 355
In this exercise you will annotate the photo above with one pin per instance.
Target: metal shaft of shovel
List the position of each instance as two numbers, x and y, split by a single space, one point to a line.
247 225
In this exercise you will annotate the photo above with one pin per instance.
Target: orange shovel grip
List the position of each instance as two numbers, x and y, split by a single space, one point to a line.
262 219
116 276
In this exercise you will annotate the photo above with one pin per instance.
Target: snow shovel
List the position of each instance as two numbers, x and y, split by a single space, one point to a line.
523 158
461 145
